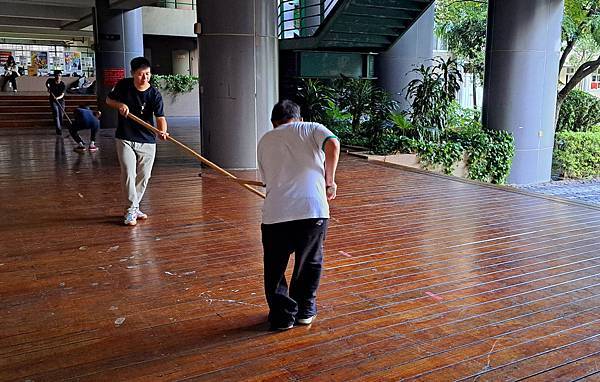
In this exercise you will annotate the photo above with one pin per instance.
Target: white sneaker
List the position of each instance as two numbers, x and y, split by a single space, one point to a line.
130 219
140 215
305 321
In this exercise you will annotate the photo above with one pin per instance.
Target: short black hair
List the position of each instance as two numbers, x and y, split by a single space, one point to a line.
285 110
139 63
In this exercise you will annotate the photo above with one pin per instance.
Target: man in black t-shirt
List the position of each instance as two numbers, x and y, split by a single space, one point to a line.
136 145
57 88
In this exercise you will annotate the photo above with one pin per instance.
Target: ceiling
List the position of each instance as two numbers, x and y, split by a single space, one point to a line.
53 19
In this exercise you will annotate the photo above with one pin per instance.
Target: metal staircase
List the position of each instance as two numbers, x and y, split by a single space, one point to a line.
346 25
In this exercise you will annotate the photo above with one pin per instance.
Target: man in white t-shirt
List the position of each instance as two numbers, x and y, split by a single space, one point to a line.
297 162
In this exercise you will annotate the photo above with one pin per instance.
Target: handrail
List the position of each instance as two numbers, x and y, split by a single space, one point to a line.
301 18
177 4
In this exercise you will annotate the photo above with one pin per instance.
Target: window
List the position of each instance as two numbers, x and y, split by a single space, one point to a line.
595 80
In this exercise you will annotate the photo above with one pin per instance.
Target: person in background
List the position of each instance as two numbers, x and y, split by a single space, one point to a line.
85 119
56 89
11 72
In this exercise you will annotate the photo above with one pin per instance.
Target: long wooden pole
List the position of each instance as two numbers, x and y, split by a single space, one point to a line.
61 108
239 181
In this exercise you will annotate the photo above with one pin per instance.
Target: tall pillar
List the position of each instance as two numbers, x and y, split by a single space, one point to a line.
118 39
521 79
238 77
413 49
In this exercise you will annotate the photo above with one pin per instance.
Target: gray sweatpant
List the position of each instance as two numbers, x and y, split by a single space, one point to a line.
136 160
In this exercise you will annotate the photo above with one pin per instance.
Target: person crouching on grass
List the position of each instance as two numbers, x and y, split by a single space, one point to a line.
136 145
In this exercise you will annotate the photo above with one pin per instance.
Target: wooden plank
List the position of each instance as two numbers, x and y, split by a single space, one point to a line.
423 275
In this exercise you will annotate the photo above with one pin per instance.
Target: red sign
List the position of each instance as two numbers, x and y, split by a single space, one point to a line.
4 56
112 76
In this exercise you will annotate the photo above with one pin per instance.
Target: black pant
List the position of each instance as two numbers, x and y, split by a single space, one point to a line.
57 113
304 238
12 78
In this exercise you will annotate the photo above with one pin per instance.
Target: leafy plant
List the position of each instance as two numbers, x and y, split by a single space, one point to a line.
579 112
444 154
339 122
489 152
463 26
314 97
403 125
577 154
431 95
380 131
355 97
174 83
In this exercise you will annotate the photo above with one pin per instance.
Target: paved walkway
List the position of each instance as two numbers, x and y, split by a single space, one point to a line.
582 190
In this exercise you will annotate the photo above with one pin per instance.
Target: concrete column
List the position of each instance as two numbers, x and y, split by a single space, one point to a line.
413 49
238 77
521 79
118 39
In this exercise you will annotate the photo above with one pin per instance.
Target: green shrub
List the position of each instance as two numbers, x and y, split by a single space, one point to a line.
431 94
489 152
174 83
580 111
315 96
577 154
444 154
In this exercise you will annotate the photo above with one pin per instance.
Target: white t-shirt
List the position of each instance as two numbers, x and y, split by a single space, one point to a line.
291 162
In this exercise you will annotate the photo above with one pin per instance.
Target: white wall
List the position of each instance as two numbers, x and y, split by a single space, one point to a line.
168 22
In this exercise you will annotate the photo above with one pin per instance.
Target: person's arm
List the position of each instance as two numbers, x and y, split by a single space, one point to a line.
120 106
158 110
62 94
332 156
161 124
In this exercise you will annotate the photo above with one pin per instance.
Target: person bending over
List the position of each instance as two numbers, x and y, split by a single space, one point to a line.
297 162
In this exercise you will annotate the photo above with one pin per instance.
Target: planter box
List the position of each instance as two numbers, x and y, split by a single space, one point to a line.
181 105
411 160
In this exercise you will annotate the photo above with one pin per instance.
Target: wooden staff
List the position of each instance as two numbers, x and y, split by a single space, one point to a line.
61 108
242 182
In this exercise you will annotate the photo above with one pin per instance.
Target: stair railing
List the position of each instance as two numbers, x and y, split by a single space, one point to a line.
302 18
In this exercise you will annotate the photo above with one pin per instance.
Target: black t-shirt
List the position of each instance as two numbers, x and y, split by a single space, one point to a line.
55 88
144 105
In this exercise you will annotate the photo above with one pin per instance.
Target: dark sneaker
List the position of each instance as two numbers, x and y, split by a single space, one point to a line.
281 328
92 147
80 148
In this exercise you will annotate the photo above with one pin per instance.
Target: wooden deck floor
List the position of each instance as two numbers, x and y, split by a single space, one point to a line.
426 278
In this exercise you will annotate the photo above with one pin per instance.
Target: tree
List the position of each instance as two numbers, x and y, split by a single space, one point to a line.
462 25
460 22
580 34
